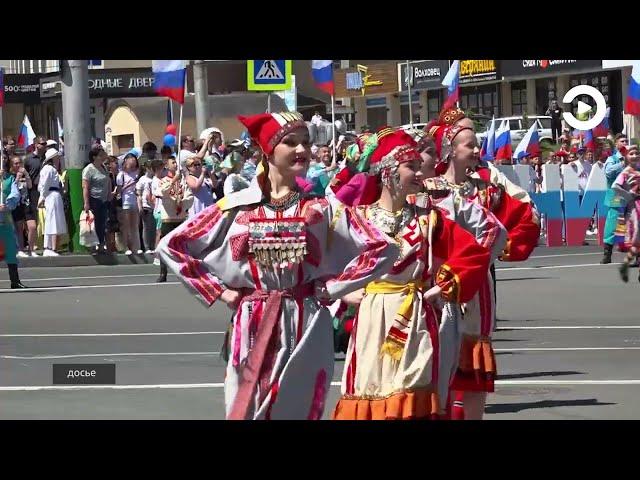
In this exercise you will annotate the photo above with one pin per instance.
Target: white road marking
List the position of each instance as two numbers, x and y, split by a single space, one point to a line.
19 388
135 354
84 278
567 382
513 269
76 287
573 327
563 349
138 334
565 255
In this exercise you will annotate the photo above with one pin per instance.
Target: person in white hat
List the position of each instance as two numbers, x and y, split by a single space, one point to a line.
215 140
49 187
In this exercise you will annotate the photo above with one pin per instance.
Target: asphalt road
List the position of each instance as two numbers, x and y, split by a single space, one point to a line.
568 345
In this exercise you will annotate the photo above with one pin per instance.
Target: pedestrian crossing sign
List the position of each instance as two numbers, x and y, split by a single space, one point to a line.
269 75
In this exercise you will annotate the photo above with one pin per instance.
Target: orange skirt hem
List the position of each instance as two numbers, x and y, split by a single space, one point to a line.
477 366
407 405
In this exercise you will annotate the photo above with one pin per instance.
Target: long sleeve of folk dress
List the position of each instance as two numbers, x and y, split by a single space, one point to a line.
184 252
523 230
210 252
622 186
357 251
465 261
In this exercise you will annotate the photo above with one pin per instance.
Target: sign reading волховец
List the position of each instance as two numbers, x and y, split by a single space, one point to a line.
107 84
423 75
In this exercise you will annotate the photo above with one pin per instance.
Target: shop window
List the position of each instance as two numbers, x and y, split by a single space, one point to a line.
488 99
404 113
433 104
519 97
122 143
376 117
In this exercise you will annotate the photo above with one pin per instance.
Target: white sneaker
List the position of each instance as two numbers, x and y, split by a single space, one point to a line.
590 232
156 262
139 252
21 254
34 254
128 252
50 253
150 252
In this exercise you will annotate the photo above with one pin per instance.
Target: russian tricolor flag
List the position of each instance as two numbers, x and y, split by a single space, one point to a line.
632 105
26 135
488 150
452 82
169 78
503 142
1 87
529 145
602 130
322 71
589 142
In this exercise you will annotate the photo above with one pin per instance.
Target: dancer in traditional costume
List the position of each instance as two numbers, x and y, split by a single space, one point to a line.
627 186
277 255
393 360
473 330
477 367
616 204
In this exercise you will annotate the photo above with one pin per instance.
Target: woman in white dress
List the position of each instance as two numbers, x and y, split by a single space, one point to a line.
49 187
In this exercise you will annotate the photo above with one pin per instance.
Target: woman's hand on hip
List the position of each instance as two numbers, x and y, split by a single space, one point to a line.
231 298
354 298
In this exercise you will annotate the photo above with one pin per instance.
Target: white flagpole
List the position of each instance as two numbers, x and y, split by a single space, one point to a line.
333 126
179 139
458 101
409 77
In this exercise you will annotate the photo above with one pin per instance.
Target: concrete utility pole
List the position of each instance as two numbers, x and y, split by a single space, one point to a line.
75 115
201 90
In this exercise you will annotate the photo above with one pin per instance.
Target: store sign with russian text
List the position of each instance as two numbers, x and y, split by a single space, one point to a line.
22 88
514 68
108 84
473 71
422 75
